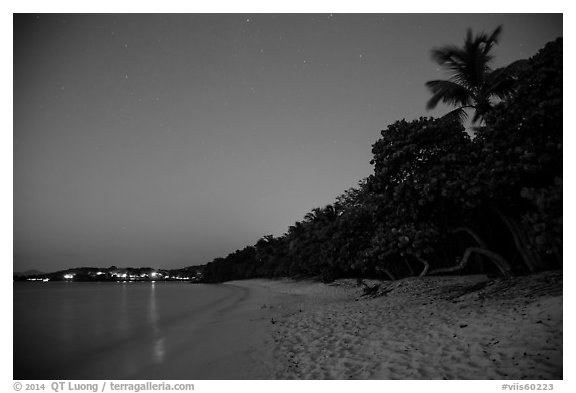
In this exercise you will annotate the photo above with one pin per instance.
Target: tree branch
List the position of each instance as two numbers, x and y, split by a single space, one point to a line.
473 234
497 259
426 266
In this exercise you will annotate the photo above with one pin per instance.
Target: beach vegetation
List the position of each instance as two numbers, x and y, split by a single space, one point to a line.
438 200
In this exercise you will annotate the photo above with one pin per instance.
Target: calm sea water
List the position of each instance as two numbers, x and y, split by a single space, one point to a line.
67 330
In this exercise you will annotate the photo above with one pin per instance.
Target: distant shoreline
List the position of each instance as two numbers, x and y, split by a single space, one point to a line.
113 274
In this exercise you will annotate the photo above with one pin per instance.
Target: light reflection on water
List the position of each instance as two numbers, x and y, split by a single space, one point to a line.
103 330
159 349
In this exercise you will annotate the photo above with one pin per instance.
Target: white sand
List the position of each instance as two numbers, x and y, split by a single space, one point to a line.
432 328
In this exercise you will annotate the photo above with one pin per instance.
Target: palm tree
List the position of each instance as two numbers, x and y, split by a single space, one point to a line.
472 83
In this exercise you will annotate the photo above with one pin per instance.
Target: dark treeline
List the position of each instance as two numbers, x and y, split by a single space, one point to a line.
439 201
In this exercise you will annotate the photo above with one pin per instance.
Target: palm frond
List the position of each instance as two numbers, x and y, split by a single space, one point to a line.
449 93
502 88
458 115
453 59
493 39
446 55
466 65
495 36
478 114
472 82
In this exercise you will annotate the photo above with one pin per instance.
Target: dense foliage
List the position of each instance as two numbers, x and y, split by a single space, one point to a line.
439 201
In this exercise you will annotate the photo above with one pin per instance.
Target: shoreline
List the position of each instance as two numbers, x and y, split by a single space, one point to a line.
440 327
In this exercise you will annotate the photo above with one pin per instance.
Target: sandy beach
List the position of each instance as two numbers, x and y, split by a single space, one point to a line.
470 327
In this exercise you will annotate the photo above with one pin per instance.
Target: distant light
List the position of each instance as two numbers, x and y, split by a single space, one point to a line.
154 274
99 273
46 280
68 276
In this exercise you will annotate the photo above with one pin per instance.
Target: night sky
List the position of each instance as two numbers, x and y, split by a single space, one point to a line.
169 140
